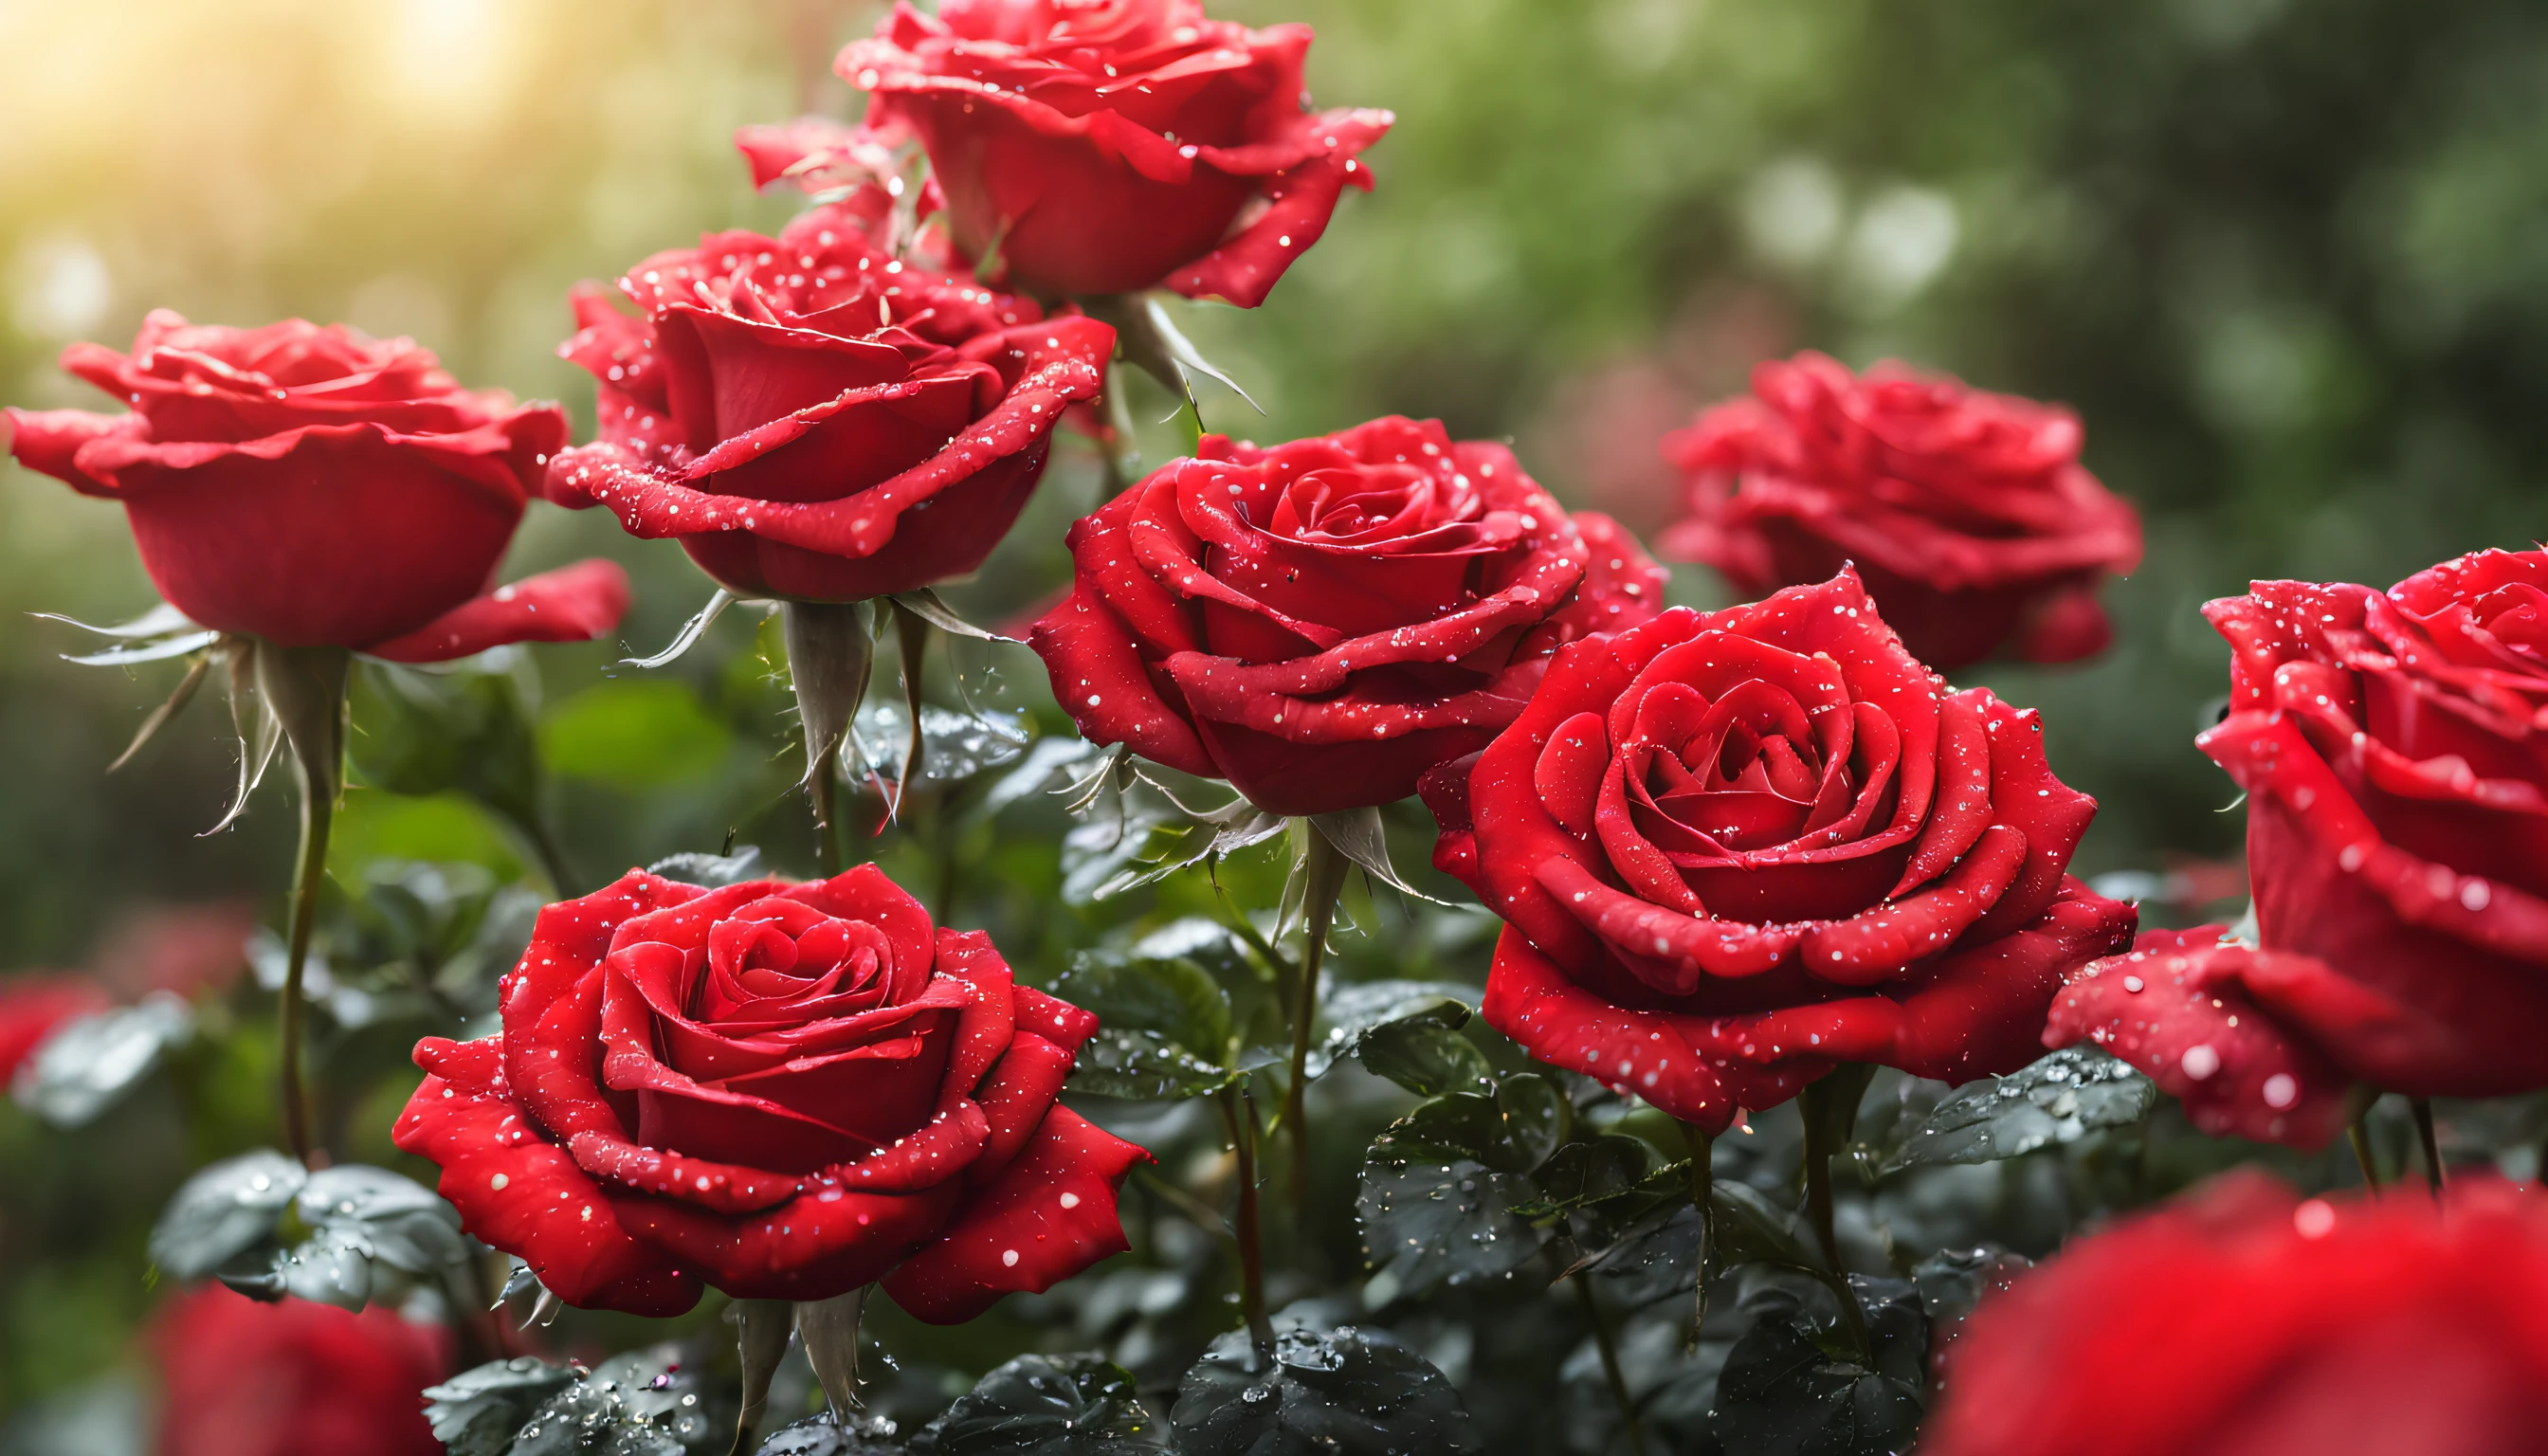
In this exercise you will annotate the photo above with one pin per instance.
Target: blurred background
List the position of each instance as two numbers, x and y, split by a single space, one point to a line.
2288 258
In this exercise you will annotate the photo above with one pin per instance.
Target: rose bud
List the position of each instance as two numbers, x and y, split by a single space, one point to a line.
2394 749
2244 1318
1967 515
1320 622
813 418
1733 849
311 486
782 1090
239 1378
1106 149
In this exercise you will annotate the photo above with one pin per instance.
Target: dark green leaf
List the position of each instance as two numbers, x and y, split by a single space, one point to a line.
1783 1393
423 733
1147 1066
477 1411
1425 1060
1353 1012
402 1223
2056 1100
1536 1119
89 1064
223 1212
1049 1406
1433 1206
1750 1228
646 1403
953 745
1319 1395
1953 1281
713 871
822 1436
1172 997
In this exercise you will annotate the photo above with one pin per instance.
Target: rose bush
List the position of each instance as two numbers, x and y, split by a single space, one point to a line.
1105 146
785 1091
312 486
1967 515
1735 847
2246 1320
813 418
2394 749
239 1378
1320 621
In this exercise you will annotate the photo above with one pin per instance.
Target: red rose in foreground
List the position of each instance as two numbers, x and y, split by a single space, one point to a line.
1967 515
785 1091
1111 146
312 486
2244 1322
2394 747
813 418
1735 847
1321 621
239 1378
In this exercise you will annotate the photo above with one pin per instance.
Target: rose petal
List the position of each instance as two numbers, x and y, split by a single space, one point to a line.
1048 1215
574 603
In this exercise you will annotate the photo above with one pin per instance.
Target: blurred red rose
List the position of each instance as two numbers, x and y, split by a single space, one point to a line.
785 1091
1967 515
1735 847
814 417
1320 622
2394 747
2245 1322
33 1005
1105 146
239 1378
314 487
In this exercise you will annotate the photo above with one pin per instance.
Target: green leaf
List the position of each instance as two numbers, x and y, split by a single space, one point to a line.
1341 1392
477 1411
645 1402
634 734
1170 996
1784 1394
1049 1406
1354 1011
1749 1229
374 1235
92 1062
465 730
1434 1205
223 1212
2050 1102
1536 1119
1147 1066
713 871
1426 1060
953 745
825 1435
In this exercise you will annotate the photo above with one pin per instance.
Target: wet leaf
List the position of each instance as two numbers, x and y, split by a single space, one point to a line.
1049 762
224 1211
89 1064
1435 1207
1427 1061
1049 1406
1340 1394
424 733
1783 1393
953 745
406 1224
2055 1100
477 1411
1354 1011
1170 995
713 871
1750 1228
823 1436
1147 1066
646 1403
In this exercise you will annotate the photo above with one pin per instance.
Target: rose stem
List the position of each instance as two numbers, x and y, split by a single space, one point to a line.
829 653
1609 1349
1703 1197
2360 1134
1238 1111
2424 1110
1830 1107
304 688
1324 870
911 632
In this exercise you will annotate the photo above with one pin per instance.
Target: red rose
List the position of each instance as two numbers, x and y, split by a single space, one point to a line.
1735 847
785 1091
2182 1006
1967 515
1105 146
813 418
239 1378
1321 621
312 486
2394 747
31 1007
2244 1322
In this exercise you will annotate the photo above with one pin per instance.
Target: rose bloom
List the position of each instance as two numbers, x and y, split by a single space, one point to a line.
2242 1321
239 1378
812 418
2394 749
1106 146
1735 847
314 487
1967 515
1320 621
785 1091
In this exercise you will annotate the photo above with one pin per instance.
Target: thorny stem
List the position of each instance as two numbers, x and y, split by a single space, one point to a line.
911 632
2423 1107
1324 871
1824 1116
829 834
304 688
1238 1111
2360 1135
318 808
1703 1197
1609 1349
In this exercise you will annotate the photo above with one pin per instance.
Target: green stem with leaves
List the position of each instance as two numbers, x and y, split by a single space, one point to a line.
1238 1112
1323 873
1829 1105
304 688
